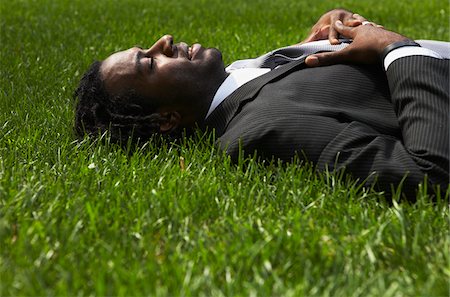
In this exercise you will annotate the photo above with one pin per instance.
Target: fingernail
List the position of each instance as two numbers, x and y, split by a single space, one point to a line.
338 23
312 61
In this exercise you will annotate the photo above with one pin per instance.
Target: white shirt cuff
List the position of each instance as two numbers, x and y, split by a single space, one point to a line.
408 51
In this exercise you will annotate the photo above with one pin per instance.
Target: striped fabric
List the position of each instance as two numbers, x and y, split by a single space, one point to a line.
296 52
378 126
288 53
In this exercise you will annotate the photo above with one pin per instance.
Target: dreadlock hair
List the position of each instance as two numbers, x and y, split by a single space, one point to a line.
124 116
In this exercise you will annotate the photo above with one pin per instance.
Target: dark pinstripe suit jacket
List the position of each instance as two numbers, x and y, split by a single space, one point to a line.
375 124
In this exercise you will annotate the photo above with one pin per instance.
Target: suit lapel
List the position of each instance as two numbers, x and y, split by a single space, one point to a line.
225 112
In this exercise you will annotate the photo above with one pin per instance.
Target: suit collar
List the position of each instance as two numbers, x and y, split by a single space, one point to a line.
235 79
225 112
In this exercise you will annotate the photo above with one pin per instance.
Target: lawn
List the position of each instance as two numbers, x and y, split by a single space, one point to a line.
89 218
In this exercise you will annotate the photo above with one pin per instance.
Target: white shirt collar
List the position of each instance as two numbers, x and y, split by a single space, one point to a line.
237 78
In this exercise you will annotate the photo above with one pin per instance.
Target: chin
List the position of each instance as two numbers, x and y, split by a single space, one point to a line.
213 54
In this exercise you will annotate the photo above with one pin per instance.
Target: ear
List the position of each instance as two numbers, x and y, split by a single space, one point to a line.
170 120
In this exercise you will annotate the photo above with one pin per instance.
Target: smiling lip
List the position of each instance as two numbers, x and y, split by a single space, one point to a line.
193 50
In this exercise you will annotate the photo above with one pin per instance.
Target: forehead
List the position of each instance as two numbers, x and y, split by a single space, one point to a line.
118 69
123 62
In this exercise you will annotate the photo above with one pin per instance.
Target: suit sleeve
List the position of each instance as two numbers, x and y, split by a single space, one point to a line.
419 87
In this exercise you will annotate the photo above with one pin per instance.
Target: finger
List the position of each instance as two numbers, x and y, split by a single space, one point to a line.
311 37
329 58
307 39
369 23
318 34
324 32
359 17
337 29
343 30
353 23
333 36
332 33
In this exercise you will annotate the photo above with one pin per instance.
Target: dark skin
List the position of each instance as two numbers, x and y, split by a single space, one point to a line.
171 75
369 40
323 29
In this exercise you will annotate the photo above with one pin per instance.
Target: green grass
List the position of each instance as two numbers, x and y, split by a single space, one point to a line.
86 218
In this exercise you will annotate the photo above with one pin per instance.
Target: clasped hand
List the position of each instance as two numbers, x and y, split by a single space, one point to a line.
369 39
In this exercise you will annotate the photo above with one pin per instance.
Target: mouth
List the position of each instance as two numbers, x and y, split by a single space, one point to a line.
193 50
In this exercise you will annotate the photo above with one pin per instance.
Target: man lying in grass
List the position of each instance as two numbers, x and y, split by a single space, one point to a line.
378 105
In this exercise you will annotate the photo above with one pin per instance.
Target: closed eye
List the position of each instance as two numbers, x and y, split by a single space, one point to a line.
152 60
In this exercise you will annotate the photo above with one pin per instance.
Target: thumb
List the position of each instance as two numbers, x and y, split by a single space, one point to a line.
330 58
324 59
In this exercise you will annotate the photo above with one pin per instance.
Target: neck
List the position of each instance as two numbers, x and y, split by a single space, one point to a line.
198 107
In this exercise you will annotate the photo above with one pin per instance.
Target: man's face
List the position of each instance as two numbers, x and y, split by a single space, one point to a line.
172 74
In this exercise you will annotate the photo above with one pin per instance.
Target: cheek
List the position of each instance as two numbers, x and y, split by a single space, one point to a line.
179 77
165 88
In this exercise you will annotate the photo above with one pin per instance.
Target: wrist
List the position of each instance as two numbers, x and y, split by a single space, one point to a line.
396 45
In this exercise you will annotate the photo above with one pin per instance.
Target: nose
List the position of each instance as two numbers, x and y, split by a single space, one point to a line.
164 45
